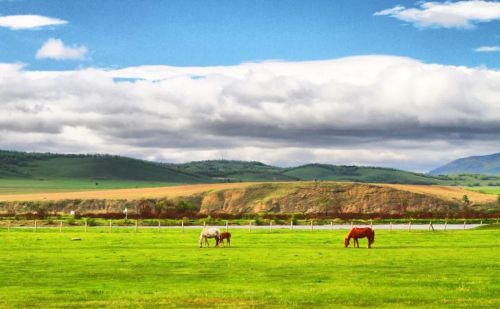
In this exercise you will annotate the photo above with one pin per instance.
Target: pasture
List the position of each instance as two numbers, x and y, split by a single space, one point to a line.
33 190
40 186
263 269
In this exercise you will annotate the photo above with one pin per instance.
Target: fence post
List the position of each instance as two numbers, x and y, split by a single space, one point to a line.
431 226
204 224
390 226
85 225
159 225
110 225
409 226
464 224
312 225
250 226
371 223
8 226
291 224
227 225
136 225
36 226
445 224
481 223
331 225
60 226
182 225
270 225
351 223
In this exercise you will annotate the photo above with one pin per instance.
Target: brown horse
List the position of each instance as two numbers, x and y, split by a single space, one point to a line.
225 235
360 232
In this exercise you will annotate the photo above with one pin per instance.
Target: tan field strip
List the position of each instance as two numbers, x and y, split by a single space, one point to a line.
450 193
124 194
446 192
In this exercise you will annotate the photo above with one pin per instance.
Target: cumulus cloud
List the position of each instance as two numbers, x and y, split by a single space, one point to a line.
22 22
57 50
371 110
460 14
487 49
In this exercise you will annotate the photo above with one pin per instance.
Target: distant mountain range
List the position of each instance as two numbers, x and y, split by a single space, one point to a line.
21 165
488 165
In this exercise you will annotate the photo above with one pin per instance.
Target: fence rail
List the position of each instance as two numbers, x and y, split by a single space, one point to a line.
136 225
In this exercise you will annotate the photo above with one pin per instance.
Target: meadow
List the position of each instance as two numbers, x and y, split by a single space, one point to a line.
33 190
29 186
487 190
263 269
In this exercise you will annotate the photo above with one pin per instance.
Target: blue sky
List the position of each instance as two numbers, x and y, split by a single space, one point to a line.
200 33
404 84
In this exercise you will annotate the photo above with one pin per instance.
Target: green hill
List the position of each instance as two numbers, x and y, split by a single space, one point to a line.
236 170
359 174
99 167
257 171
489 165
47 166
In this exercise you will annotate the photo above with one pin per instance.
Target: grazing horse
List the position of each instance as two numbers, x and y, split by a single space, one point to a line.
225 235
360 232
209 232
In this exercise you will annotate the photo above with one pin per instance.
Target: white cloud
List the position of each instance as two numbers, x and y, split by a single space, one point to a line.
55 49
19 22
371 110
460 14
487 49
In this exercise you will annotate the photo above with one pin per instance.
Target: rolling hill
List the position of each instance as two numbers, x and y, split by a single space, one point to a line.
99 167
489 165
46 166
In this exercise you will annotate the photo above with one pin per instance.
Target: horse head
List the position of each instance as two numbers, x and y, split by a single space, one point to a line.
346 242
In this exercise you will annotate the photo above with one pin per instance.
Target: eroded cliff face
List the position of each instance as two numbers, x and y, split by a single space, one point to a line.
328 199
320 198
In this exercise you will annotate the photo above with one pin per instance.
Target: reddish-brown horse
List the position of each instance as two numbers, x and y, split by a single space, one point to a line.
360 232
225 235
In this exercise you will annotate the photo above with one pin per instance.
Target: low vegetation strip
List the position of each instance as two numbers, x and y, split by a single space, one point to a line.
292 269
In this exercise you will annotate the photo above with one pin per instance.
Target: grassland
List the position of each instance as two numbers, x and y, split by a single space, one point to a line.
487 190
126 194
17 194
263 269
26 186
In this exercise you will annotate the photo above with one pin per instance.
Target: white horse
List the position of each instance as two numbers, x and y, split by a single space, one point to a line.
209 232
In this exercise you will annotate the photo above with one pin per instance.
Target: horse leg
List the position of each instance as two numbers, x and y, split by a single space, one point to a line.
229 242
356 243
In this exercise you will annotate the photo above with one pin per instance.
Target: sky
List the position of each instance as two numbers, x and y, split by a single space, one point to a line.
402 84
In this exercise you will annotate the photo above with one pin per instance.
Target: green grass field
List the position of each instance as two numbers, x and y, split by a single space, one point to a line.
23 186
487 190
262 269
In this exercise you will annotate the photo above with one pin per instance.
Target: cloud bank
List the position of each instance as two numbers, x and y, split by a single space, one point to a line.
460 14
23 22
55 49
371 110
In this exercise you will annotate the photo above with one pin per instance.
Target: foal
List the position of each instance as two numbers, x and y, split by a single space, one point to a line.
225 235
360 232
